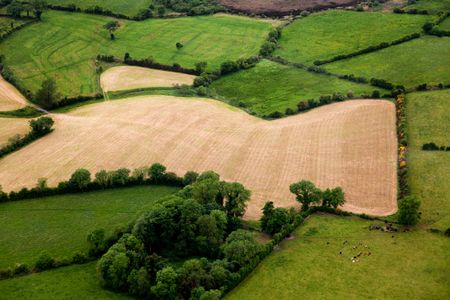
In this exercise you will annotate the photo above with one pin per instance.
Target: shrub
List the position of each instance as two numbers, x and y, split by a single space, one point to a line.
79 258
44 262
408 212
21 269
80 179
447 232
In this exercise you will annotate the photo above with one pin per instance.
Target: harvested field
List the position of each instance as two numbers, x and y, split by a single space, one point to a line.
10 97
10 127
351 144
281 7
129 78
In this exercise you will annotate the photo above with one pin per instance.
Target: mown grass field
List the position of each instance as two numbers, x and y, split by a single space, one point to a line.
74 282
271 87
429 121
64 46
125 7
419 61
411 265
60 224
328 34
432 6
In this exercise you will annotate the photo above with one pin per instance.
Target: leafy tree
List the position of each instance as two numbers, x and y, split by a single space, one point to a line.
103 178
333 198
210 233
428 26
41 184
157 172
38 7
228 67
207 191
139 283
179 45
41 126
274 219
267 48
80 179
111 26
306 193
120 177
193 274
161 11
47 96
166 284
236 198
15 9
190 177
408 211
97 242
240 247
211 295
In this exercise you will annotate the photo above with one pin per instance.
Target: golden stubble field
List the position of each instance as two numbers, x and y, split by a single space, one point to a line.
10 97
10 127
350 144
129 78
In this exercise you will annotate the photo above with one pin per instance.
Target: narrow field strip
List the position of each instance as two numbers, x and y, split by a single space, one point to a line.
128 78
350 144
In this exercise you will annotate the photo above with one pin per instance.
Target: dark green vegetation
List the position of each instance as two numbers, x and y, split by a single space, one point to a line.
26 112
271 87
419 61
7 24
417 260
60 224
125 7
64 46
327 34
74 282
429 171
432 6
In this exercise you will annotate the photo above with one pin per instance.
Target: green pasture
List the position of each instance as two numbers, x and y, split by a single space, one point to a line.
60 224
432 6
125 7
405 265
64 46
419 61
271 87
429 171
327 34
74 282
445 25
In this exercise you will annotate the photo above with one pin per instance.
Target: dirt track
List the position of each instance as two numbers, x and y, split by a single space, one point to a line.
129 78
10 127
281 7
351 144
10 97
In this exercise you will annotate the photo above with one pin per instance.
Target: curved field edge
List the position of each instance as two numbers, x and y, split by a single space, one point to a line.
406 264
350 144
60 224
122 78
10 97
11 127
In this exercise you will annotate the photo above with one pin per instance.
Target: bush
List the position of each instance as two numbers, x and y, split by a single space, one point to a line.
21 269
44 262
447 232
408 211
79 258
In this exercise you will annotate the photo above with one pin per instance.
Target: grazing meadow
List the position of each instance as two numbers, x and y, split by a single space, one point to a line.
60 224
271 87
74 282
64 46
327 34
432 6
429 121
410 64
327 244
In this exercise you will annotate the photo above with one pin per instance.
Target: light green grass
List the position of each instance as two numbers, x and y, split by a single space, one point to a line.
429 172
412 265
125 7
74 282
60 224
64 45
271 87
423 60
328 34
5 24
445 25
432 6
